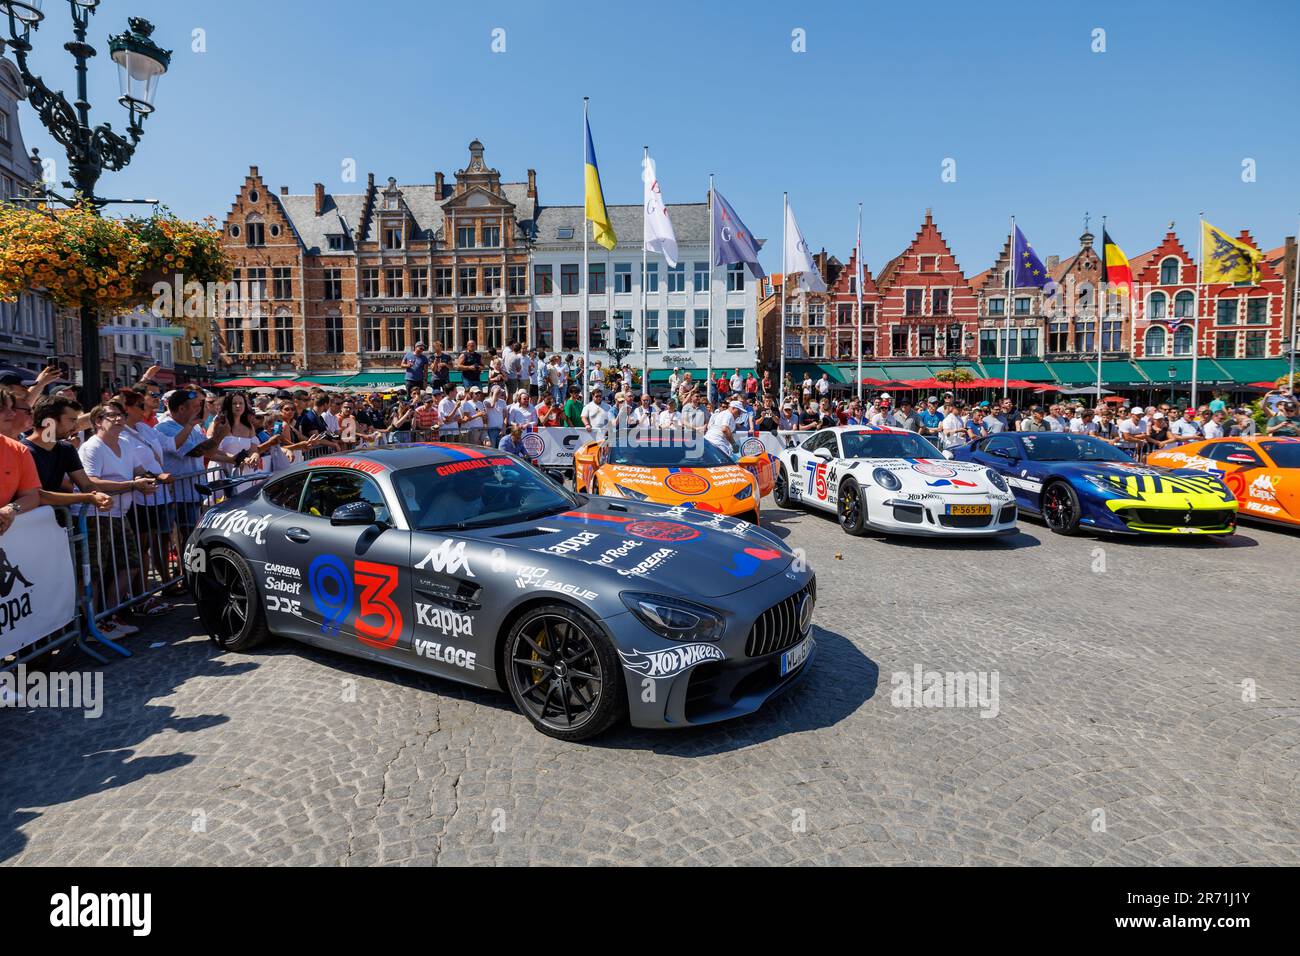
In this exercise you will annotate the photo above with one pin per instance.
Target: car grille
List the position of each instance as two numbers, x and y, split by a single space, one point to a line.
909 514
778 627
1178 518
1008 514
965 521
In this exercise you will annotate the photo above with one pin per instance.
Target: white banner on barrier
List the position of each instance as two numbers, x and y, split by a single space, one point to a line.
37 588
554 447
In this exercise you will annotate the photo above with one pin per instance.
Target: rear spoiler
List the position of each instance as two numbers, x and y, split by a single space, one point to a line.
227 484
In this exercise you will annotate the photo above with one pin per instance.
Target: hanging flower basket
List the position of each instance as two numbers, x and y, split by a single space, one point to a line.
80 259
954 375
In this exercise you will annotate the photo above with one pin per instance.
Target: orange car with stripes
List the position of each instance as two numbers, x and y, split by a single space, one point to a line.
676 470
1263 473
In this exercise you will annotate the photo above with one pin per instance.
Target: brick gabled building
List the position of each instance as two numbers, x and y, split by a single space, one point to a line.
809 332
923 292
1024 305
1244 320
348 282
1165 301
843 301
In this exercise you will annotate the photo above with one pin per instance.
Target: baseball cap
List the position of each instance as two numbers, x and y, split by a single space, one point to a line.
1160 415
14 377
1136 410
737 405
932 398
884 395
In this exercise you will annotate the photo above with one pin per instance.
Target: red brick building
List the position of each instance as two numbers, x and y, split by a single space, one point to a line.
922 293
843 303
348 282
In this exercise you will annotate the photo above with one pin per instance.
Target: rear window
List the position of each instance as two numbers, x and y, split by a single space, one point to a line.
286 492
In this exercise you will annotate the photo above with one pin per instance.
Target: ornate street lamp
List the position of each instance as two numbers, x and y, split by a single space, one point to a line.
90 150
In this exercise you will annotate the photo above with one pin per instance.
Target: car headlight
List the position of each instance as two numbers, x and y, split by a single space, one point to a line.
996 480
673 619
1104 484
886 479
746 492
629 493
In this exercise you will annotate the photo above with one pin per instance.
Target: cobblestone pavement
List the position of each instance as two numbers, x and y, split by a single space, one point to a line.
1120 737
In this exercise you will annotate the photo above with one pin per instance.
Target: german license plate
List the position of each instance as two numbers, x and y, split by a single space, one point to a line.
970 509
793 658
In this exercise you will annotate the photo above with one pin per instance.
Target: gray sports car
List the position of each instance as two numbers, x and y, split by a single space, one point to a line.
473 565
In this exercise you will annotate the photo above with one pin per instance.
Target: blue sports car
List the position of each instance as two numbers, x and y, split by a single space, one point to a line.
1081 483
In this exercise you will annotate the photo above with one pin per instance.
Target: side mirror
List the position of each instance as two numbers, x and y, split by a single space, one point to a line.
948 455
823 453
354 513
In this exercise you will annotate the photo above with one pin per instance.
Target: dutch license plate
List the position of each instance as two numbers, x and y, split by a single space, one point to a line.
970 509
795 656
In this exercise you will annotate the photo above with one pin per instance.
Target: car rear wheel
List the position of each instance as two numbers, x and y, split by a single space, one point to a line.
563 673
1061 508
852 509
781 488
228 602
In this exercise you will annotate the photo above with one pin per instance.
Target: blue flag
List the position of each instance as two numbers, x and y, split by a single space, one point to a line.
732 240
1029 268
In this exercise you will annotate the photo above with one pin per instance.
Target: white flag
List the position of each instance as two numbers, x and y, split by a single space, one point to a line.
659 235
798 258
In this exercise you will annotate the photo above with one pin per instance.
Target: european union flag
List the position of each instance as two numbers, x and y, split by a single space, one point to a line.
732 240
1029 268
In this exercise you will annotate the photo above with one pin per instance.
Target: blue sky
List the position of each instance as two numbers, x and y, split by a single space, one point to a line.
1153 129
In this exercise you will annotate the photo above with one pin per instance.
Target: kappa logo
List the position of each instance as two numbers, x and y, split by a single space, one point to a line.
1262 488
13 609
671 661
447 558
444 620
571 544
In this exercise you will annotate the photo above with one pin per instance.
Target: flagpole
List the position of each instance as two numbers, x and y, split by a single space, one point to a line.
709 381
1101 309
785 213
1006 320
645 352
586 326
1196 314
1295 312
857 283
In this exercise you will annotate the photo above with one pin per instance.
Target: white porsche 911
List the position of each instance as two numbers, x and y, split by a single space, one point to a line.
893 481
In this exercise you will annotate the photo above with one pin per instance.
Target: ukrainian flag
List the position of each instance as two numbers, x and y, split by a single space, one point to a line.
596 210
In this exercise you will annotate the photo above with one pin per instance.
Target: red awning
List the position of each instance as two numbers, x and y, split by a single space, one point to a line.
241 383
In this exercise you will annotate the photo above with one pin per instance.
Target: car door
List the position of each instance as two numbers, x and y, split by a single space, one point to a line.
1243 470
356 579
814 470
1002 453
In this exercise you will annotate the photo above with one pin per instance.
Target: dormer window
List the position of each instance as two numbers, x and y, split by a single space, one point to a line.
393 237
564 232
335 243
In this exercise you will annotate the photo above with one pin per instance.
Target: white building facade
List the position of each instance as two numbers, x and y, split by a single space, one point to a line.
675 328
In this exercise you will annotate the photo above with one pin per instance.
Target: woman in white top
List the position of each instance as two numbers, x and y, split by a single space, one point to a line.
114 548
243 436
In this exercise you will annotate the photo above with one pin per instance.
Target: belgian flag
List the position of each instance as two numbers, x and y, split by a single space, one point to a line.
1115 271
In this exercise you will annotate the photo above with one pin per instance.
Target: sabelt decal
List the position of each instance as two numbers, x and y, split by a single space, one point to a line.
444 620
671 661
446 654
663 531
447 558
284 587
687 483
230 523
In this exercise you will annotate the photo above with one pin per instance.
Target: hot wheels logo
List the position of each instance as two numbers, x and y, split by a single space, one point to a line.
671 661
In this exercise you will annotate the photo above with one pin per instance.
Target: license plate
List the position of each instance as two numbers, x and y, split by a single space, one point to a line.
795 656
970 509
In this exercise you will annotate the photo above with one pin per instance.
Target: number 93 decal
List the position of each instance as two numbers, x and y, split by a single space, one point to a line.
334 591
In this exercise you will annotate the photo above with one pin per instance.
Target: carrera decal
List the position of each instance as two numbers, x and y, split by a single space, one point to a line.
671 661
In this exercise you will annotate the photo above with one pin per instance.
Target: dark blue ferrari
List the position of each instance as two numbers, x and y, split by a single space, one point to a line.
1081 483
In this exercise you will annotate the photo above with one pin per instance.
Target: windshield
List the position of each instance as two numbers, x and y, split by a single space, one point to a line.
886 445
1055 446
1285 453
477 493
670 454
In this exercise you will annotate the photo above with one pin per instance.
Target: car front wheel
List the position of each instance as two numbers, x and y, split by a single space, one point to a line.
1061 508
564 673
852 509
781 488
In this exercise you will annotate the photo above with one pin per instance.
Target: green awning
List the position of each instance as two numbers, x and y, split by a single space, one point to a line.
373 380
1121 373
1208 372
897 372
1245 371
1073 373
1025 371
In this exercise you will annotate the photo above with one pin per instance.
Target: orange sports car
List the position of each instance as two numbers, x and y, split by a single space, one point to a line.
1263 472
675 471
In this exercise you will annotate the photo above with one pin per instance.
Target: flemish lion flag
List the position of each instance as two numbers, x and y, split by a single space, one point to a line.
1226 259
1115 271
596 210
